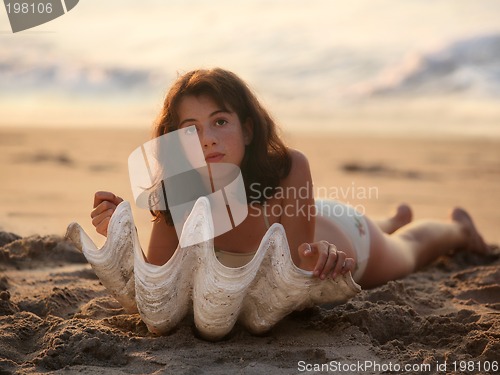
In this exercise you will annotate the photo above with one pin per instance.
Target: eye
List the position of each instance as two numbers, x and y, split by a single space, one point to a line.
220 122
190 130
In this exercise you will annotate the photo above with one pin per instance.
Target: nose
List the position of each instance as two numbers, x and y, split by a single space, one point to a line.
208 137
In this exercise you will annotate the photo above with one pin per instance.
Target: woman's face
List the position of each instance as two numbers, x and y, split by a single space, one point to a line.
222 136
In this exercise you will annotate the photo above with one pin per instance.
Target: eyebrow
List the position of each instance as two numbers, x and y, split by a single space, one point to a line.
211 115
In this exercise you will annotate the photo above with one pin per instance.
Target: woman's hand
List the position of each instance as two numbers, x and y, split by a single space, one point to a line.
324 259
105 204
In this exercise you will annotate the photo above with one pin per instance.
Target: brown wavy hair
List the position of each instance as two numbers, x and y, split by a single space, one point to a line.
266 160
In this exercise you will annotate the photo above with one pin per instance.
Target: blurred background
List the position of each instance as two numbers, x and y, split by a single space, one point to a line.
414 66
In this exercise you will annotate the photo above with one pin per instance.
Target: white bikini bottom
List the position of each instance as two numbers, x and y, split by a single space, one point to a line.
354 226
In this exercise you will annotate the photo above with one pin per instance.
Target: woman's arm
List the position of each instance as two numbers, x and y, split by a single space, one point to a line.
299 220
297 205
163 242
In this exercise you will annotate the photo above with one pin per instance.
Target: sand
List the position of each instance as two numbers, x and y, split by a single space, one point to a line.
56 317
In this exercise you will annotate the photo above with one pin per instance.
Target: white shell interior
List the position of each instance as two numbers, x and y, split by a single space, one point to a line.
259 294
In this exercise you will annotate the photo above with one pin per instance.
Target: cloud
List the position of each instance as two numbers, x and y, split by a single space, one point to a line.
469 67
37 71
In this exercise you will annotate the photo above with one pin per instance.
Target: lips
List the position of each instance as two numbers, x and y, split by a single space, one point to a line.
214 157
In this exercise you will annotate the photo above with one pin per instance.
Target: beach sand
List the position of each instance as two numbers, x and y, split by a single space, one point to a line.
56 316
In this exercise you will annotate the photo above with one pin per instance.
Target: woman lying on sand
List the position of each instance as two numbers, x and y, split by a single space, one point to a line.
233 127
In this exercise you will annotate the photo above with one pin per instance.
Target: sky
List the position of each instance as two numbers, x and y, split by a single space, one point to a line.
110 63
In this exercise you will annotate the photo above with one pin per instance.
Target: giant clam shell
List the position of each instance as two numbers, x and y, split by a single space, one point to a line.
259 294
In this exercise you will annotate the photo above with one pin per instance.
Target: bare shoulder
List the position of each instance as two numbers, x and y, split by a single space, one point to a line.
298 157
300 170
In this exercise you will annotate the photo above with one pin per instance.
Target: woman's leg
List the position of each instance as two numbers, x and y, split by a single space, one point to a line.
417 244
402 217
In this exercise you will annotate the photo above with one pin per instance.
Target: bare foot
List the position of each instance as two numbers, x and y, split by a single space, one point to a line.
475 241
403 216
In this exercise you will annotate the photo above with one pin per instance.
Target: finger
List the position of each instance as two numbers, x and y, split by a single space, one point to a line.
118 200
102 196
339 264
102 228
305 249
349 266
101 208
98 211
97 220
330 262
321 248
